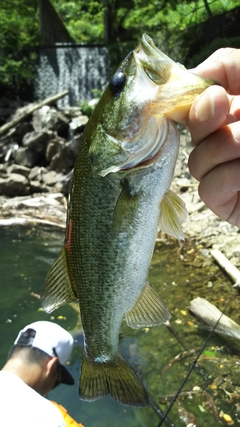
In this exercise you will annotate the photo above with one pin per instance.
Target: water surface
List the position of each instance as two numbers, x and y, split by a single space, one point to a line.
178 274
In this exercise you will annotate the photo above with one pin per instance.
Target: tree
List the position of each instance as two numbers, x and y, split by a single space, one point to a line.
119 23
19 38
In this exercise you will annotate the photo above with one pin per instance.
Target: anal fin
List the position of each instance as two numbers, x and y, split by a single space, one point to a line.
149 310
57 289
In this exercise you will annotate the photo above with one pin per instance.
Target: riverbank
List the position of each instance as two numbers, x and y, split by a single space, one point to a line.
203 226
38 147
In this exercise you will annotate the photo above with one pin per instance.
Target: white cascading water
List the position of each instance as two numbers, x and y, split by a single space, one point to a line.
78 69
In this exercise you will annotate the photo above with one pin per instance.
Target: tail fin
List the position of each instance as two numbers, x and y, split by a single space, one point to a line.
115 378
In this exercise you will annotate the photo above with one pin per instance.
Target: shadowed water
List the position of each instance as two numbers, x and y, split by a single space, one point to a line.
178 274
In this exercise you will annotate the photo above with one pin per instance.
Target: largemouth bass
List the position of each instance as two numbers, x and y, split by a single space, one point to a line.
118 200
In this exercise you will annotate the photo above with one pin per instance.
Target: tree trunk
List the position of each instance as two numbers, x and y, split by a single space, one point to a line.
208 10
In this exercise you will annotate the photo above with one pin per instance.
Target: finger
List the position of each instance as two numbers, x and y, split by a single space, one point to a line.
220 190
208 113
223 66
235 106
220 147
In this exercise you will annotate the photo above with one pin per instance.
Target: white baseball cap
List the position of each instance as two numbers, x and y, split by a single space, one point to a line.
50 338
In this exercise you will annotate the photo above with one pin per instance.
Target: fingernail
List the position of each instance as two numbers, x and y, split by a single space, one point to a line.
205 108
236 132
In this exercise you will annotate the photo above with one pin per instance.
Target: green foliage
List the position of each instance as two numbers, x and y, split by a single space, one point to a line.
96 93
211 47
86 109
83 19
119 23
19 33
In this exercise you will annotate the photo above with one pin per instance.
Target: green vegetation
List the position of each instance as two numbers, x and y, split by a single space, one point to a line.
117 23
19 36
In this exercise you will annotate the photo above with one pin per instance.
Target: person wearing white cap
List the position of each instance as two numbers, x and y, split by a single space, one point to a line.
35 366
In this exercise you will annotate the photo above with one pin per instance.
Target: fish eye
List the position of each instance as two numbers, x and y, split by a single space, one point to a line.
117 83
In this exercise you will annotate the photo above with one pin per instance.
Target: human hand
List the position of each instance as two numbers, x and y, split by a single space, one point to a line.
214 124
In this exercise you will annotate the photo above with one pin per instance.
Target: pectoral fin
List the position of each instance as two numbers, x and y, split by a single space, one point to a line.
125 209
172 213
57 289
149 310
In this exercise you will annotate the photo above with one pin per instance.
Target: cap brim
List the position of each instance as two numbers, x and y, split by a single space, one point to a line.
67 378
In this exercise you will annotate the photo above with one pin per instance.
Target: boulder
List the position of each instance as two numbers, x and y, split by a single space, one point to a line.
47 118
64 185
14 185
34 148
3 169
26 157
37 141
77 124
19 169
40 150
71 112
20 130
64 160
54 146
37 187
51 178
37 173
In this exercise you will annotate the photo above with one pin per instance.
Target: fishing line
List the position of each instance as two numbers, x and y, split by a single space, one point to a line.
156 408
236 285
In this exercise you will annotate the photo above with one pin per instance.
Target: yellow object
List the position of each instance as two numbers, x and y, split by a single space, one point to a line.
69 421
184 313
228 419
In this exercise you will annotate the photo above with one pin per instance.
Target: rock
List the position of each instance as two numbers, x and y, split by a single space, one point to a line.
93 102
34 148
26 157
64 160
14 185
64 185
54 147
47 118
8 150
37 187
3 170
20 130
19 169
36 173
77 124
71 148
39 154
37 141
71 112
51 178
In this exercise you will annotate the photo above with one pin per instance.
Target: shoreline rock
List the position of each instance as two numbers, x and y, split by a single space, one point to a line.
37 190
38 153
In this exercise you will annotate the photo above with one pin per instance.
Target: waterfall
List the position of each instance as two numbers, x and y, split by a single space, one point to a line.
75 68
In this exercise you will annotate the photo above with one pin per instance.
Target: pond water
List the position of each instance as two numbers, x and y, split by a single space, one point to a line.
178 274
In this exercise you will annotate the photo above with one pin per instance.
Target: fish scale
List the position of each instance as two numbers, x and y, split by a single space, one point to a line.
119 198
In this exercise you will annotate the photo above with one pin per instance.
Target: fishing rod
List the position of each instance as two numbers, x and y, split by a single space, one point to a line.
158 411
236 285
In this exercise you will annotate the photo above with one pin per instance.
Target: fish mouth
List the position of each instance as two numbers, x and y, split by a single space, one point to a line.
141 148
164 90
